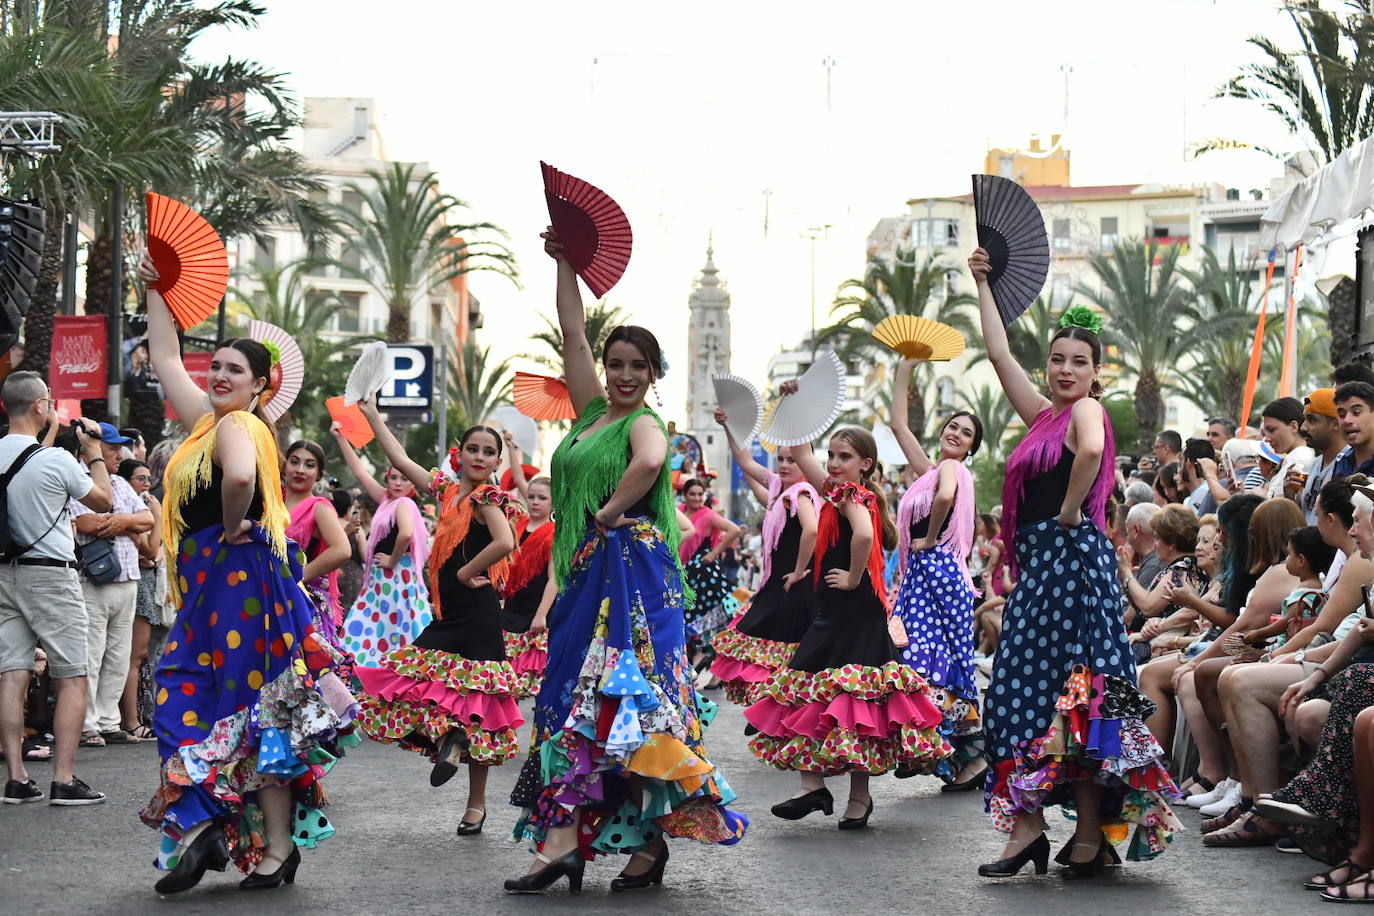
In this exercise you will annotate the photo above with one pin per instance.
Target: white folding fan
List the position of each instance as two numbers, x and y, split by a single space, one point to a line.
799 418
523 429
742 405
369 373
288 367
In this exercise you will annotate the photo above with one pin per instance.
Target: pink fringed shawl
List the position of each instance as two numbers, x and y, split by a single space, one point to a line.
781 504
702 531
384 519
1040 451
916 504
301 529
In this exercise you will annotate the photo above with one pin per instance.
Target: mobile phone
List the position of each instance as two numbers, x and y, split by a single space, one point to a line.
1364 596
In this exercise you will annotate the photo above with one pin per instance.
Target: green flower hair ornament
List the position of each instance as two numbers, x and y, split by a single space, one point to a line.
275 351
1080 316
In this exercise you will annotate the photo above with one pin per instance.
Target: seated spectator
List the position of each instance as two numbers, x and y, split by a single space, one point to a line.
1309 557
1139 553
1137 492
1280 422
1176 530
1355 408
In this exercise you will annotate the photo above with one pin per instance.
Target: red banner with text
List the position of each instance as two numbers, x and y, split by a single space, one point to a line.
77 367
198 367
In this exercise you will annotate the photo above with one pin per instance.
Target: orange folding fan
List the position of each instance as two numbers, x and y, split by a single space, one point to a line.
542 398
594 231
191 262
351 421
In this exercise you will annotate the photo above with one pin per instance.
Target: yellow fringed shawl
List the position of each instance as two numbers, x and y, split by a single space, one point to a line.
190 470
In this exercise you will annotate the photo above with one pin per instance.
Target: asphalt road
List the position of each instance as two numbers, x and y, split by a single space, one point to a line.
396 853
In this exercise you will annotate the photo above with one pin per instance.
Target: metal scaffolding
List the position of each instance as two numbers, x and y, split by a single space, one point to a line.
28 132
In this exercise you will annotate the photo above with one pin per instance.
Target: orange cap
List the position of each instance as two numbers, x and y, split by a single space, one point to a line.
1322 401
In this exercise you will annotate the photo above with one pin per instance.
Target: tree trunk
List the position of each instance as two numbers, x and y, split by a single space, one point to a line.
99 276
1342 311
1233 394
1149 409
398 323
38 324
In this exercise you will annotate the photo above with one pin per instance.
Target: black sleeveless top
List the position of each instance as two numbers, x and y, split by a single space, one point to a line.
921 527
1044 494
205 509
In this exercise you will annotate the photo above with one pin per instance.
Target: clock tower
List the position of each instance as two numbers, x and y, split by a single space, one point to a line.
708 349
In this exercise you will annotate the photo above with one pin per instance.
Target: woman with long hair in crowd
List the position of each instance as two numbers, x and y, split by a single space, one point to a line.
394 604
618 763
712 534
529 591
451 694
935 522
1063 717
243 726
136 706
844 703
764 636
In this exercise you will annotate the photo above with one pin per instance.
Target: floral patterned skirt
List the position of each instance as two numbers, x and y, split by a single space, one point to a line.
529 655
246 699
618 701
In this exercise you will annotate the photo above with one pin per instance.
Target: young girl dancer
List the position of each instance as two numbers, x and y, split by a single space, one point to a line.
529 591
451 694
935 521
315 527
393 606
761 640
700 552
844 704
1064 720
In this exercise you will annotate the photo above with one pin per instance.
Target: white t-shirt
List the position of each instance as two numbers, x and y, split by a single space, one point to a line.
1299 458
38 496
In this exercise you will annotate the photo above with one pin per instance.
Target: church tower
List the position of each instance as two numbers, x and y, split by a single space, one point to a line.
708 348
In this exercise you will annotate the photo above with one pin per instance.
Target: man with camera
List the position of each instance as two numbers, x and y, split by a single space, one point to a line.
40 598
109 580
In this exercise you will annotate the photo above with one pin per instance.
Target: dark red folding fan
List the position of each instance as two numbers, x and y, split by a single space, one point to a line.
1012 231
594 231
542 398
192 265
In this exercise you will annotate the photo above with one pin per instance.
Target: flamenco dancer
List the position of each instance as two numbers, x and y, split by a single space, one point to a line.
393 606
451 694
244 731
764 637
711 536
844 704
530 590
935 521
1084 746
618 763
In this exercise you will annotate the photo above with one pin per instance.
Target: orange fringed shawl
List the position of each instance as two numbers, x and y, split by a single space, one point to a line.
455 518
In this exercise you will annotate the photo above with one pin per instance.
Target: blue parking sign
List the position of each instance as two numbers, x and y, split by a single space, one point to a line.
410 383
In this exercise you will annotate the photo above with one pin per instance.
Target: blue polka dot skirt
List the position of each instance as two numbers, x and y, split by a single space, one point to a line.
1063 703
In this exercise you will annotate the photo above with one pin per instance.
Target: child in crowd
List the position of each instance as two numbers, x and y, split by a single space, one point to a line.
1309 557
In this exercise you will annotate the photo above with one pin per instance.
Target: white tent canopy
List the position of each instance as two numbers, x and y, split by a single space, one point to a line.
1333 203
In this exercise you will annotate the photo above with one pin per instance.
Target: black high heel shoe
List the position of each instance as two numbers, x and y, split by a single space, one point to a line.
570 864
467 828
1037 851
285 873
654 875
208 851
1106 855
858 823
450 756
966 785
794 809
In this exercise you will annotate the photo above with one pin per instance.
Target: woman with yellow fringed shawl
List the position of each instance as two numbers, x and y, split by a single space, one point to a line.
451 694
618 763
248 715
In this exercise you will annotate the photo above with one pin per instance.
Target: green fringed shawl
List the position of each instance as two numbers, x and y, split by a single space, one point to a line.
583 482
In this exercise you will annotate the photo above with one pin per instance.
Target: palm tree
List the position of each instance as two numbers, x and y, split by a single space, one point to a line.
478 384
411 242
1151 320
1224 296
1312 366
901 286
602 318
996 414
1029 338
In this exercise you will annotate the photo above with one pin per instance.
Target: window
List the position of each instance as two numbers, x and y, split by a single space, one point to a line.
1062 242
1006 167
1171 414
352 201
348 320
935 233
1109 231
265 253
951 285
944 392
351 258
1061 290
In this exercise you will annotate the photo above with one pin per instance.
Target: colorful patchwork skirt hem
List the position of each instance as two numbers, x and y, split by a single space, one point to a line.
529 656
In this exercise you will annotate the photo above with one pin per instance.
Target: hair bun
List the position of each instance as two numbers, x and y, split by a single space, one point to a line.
1080 316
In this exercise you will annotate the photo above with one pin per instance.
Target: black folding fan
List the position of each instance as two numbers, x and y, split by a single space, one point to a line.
1012 230
21 248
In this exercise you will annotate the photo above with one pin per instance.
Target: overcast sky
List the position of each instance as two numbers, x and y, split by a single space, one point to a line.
694 116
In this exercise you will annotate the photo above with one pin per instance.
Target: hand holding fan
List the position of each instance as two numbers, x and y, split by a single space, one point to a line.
542 397
742 405
288 367
919 338
523 429
192 265
351 421
1012 231
368 375
799 418
593 230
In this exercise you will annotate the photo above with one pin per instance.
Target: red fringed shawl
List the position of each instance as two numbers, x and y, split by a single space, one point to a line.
531 557
828 530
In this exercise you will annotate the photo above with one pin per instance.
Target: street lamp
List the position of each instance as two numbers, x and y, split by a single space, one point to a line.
813 233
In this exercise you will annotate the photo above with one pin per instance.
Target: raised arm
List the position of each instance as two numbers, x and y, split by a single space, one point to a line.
811 467
370 486
911 447
579 365
755 472
517 469
1020 390
395 451
336 551
187 400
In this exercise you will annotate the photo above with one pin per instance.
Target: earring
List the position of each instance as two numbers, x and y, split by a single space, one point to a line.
205 402
253 404
657 397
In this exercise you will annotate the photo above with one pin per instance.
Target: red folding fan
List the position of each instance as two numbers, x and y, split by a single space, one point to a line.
192 266
542 398
592 228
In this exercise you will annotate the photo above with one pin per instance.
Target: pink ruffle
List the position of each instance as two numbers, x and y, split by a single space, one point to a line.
872 719
492 713
531 661
734 669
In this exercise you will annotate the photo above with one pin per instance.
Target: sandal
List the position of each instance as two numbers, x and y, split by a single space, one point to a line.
143 733
118 736
35 750
1341 892
92 739
1250 829
1330 879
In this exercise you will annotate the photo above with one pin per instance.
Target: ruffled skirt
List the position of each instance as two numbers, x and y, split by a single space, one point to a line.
529 655
246 699
714 604
391 610
1063 703
762 639
617 702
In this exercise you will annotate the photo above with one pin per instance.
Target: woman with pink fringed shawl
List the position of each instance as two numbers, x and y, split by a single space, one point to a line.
935 602
1063 718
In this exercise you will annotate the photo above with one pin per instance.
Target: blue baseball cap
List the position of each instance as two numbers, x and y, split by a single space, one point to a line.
110 434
